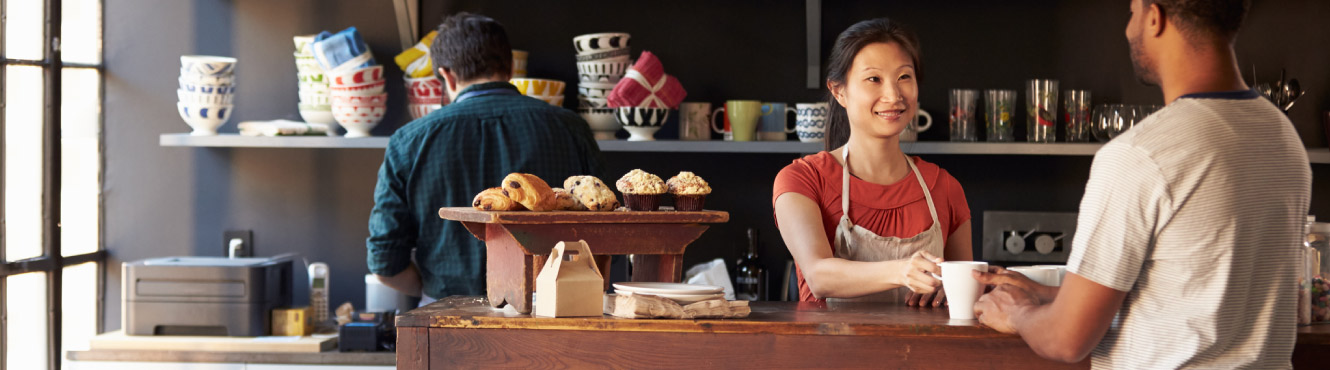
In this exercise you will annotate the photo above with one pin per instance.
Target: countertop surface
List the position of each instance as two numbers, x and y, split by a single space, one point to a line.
795 318
320 358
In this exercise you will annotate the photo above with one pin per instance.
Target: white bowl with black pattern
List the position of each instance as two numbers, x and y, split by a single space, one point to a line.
641 122
594 43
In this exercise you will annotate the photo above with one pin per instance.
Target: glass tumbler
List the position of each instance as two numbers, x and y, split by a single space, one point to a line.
1101 123
1041 107
1076 105
962 114
998 109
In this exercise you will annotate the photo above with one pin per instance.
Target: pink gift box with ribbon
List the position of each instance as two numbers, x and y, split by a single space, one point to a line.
646 85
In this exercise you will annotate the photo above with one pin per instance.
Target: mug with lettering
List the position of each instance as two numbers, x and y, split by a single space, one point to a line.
742 123
810 122
693 124
912 130
774 125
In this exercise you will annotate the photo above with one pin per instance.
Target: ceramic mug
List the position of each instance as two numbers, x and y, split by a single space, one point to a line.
774 123
912 130
742 119
810 122
961 288
693 123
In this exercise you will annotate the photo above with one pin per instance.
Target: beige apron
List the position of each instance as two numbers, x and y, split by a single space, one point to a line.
856 243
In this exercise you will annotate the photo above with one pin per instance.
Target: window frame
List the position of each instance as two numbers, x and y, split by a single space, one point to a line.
52 262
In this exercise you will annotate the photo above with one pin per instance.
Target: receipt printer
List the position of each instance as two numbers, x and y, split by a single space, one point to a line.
204 295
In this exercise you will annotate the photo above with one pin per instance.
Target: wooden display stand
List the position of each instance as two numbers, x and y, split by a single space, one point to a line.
517 243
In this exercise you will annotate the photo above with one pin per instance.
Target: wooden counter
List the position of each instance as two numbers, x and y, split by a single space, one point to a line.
467 332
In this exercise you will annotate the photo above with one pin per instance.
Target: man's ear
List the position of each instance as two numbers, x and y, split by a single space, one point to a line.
1155 21
449 79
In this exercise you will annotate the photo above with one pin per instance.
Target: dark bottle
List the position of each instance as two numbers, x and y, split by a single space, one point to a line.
750 281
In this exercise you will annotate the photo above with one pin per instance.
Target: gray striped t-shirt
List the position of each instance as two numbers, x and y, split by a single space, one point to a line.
1197 213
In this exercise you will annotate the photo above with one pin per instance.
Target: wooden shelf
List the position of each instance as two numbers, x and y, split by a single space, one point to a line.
1315 155
239 141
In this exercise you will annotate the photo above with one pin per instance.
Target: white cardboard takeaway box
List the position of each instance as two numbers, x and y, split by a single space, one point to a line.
569 284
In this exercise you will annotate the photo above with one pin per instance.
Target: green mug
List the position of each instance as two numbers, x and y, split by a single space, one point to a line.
741 123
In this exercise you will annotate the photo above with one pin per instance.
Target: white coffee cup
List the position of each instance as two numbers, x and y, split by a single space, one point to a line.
961 287
1061 272
1041 275
912 130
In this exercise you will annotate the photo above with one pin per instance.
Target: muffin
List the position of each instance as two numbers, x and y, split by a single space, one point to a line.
592 193
529 190
641 190
690 191
565 201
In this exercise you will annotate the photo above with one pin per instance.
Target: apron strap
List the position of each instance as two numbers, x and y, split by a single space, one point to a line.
928 196
845 189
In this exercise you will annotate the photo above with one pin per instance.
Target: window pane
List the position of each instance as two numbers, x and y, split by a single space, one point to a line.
25 335
23 161
79 314
80 193
24 34
81 31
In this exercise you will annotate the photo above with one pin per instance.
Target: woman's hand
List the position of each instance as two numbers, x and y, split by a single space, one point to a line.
919 271
936 299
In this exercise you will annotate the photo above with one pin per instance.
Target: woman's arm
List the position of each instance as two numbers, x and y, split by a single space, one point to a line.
801 227
958 244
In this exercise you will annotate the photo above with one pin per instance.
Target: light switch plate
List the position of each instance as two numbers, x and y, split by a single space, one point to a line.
246 237
1053 231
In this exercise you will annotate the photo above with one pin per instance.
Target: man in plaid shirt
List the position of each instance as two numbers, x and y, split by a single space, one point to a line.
445 158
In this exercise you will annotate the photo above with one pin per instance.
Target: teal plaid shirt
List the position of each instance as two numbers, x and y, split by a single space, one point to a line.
445 158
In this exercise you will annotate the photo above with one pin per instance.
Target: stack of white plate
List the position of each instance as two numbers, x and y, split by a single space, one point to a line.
679 292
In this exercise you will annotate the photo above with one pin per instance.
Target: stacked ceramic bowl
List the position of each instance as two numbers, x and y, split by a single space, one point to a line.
207 89
358 99
602 59
551 91
641 122
315 106
424 95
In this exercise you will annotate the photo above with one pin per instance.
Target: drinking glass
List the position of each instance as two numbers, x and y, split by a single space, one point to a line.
1101 123
1076 103
998 105
1041 108
962 115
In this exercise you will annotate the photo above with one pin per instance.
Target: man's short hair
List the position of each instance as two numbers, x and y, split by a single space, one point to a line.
472 46
1204 18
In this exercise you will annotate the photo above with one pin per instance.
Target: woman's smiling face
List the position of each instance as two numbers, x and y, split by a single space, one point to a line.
880 94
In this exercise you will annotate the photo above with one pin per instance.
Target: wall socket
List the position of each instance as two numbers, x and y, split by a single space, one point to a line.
246 237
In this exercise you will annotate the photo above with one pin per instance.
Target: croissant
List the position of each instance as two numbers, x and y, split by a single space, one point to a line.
495 199
530 191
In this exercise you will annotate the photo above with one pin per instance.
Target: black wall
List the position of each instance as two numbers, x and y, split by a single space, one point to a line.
163 201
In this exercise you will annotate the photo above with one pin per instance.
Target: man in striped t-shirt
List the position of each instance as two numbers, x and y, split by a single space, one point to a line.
1190 225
